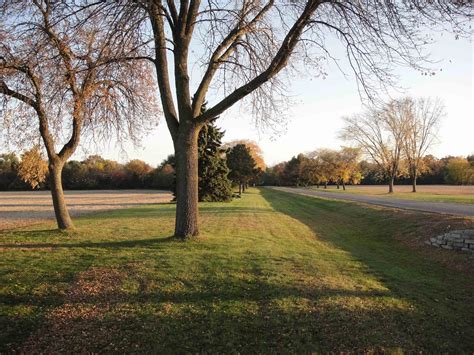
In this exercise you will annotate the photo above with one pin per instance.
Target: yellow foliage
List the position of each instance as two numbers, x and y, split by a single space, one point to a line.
33 168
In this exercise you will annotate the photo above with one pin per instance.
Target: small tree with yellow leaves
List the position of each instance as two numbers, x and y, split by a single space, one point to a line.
33 168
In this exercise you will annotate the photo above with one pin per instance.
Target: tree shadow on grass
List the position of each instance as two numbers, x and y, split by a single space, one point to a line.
441 299
139 312
225 314
133 243
231 210
142 212
169 209
35 233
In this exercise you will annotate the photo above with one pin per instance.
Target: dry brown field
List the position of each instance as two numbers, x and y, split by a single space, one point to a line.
426 189
20 208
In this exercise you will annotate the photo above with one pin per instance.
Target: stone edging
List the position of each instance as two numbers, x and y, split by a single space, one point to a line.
455 240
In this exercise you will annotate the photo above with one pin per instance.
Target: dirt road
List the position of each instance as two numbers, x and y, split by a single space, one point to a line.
434 207
24 207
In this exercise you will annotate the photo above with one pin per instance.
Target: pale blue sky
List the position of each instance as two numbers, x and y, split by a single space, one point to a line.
315 118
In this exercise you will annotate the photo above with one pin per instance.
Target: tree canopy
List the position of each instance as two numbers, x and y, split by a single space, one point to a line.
241 164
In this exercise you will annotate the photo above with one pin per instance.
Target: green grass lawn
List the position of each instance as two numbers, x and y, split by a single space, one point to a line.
418 196
271 272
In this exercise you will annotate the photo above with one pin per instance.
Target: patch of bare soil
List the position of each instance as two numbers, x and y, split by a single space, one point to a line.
81 320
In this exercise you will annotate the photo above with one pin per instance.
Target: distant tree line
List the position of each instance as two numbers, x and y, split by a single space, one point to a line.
325 166
321 167
94 172
220 168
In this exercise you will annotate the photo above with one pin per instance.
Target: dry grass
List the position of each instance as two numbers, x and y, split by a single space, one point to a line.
22 208
428 189
432 193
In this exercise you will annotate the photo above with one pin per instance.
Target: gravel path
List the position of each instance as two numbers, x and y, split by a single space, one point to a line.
22 208
435 207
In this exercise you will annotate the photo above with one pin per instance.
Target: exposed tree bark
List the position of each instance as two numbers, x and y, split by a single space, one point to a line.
390 184
61 212
343 185
413 183
57 161
186 147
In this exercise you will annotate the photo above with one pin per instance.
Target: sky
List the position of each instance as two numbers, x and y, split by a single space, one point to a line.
314 119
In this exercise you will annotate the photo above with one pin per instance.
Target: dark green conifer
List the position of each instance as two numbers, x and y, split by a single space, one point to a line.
242 166
214 185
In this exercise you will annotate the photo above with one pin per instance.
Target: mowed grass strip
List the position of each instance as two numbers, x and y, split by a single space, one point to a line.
271 272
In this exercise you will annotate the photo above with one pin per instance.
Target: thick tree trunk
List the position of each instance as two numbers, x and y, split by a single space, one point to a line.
325 185
337 186
187 215
390 185
60 209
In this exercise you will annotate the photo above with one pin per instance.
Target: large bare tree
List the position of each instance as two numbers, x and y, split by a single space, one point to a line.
68 67
228 51
380 134
423 117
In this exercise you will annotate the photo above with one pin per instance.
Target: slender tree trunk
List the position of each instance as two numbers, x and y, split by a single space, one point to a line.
60 209
187 214
337 185
390 185
343 185
413 183
325 185
240 189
